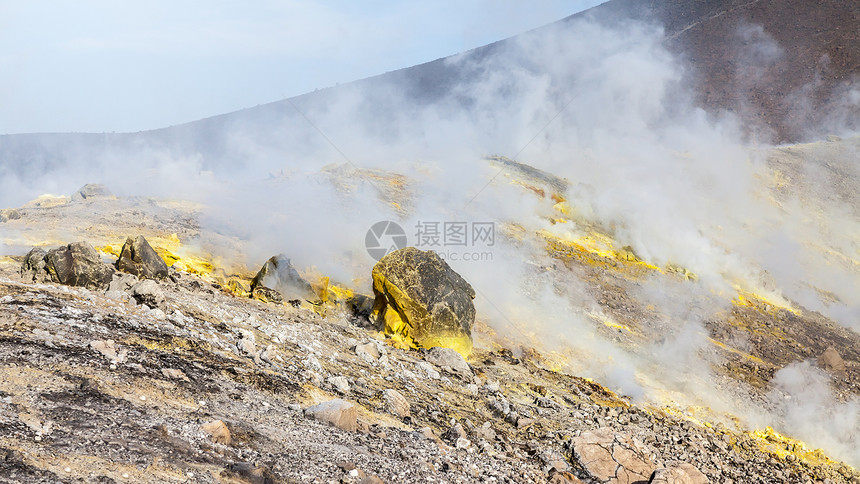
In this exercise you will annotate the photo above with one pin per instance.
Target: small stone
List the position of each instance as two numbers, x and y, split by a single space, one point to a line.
449 360
679 474
148 292
463 443
217 431
396 403
340 383
340 413
368 351
107 348
143 398
174 374
68 469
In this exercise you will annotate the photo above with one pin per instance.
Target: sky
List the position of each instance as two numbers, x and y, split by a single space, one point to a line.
122 66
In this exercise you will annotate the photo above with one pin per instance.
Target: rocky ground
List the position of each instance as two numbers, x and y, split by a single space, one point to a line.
208 387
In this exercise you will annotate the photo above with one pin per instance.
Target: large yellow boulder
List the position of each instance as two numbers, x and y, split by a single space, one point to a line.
422 301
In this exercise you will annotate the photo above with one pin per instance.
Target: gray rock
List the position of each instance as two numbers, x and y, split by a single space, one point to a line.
122 282
148 292
340 383
139 258
92 191
278 275
450 361
340 413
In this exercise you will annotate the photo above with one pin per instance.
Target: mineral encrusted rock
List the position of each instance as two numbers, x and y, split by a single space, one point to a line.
419 297
76 264
612 458
137 257
278 275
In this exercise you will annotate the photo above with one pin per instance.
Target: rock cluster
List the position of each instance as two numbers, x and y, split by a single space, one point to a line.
76 264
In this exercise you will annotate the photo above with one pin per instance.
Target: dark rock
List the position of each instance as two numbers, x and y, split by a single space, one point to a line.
92 191
33 268
360 306
76 264
278 275
139 258
419 297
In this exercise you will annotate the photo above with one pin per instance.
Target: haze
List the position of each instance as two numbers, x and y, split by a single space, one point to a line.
101 66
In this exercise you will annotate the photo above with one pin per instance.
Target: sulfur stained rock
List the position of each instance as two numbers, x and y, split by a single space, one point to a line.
611 458
278 275
340 413
137 257
76 264
421 299
217 431
678 474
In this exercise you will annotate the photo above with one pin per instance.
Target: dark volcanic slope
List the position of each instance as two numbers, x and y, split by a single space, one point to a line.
783 64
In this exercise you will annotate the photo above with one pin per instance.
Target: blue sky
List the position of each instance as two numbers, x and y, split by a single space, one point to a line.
109 65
